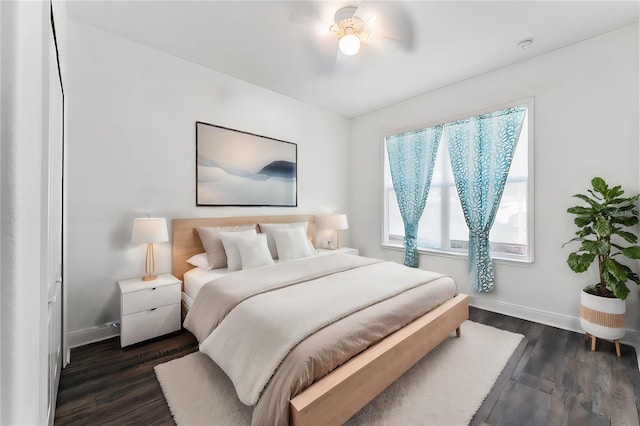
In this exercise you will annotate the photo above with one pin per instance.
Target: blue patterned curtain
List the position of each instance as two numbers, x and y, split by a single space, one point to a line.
412 156
481 149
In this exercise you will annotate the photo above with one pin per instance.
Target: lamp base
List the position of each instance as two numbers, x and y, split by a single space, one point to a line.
149 277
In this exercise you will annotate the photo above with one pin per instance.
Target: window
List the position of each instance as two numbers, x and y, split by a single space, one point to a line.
442 226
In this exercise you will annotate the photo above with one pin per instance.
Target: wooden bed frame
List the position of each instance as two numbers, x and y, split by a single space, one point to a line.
342 393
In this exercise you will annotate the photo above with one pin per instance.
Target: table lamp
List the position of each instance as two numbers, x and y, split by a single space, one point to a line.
149 230
335 222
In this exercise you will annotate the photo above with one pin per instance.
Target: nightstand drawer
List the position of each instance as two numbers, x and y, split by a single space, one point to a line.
149 324
152 297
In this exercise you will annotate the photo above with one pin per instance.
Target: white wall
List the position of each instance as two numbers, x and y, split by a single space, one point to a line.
24 111
131 151
586 125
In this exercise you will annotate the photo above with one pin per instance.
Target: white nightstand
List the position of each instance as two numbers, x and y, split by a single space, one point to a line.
149 308
341 250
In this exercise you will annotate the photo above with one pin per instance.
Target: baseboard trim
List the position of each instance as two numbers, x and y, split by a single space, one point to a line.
565 322
91 335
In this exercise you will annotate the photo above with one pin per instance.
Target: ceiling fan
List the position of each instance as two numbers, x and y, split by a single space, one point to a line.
351 30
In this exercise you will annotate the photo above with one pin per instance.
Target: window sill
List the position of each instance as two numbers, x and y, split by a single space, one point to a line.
454 255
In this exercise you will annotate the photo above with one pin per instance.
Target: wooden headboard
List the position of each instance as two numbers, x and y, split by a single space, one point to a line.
186 241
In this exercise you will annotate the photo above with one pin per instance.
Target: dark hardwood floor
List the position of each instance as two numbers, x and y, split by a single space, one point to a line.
105 384
556 381
559 381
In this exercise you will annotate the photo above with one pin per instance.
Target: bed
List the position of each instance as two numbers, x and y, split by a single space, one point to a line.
330 394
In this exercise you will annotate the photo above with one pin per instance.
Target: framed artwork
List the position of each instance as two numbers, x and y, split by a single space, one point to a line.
236 168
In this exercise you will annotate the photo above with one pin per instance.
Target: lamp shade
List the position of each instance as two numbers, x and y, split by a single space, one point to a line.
149 230
334 221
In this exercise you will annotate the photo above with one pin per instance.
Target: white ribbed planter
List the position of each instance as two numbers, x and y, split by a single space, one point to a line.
602 317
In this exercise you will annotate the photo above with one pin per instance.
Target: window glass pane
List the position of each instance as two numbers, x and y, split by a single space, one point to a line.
429 234
396 226
509 234
520 163
459 230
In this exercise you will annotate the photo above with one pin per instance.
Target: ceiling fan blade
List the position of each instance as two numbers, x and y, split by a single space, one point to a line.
367 29
309 21
364 12
388 25
384 42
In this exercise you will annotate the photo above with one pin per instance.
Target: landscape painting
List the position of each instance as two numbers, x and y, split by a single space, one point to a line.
236 168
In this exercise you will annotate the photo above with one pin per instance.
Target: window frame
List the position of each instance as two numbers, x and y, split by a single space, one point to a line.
530 257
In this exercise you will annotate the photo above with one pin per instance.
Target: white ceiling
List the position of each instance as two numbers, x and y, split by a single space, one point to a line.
444 41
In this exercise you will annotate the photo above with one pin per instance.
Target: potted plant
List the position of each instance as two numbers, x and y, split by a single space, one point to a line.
603 236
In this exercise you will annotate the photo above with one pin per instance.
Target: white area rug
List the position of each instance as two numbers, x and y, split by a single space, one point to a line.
445 388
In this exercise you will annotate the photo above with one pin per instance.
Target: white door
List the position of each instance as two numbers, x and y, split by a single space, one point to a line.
53 228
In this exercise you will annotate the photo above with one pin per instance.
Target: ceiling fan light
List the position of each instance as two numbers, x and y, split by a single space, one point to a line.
349 44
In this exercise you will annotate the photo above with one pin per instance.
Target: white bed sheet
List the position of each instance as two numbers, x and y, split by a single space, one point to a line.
195 278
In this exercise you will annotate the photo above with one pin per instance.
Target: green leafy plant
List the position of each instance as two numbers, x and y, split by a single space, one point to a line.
603 237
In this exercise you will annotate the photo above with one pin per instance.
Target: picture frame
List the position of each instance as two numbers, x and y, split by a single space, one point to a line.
237 168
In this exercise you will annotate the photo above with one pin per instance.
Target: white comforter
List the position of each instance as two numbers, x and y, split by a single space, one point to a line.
256 336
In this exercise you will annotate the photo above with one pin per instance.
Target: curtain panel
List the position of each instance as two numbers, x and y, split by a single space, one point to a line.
481 149
412 156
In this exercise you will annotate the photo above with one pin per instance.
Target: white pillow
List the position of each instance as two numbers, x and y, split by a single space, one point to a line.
254 251
234 261
199 261
213 245
268 228
292 243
